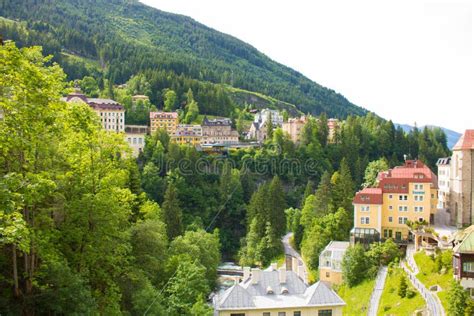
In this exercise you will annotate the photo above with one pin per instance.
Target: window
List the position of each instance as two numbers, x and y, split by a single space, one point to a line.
418 208
402 208
298 313
390 196
365 208
468 266
390 219
237 314
327 275
325 312
402 220
385 233
390 207
403 197
281 313
364 220
420 219
266 314
398 236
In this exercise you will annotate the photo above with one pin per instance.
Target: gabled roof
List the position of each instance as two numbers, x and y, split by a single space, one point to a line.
369 196
293 293
467 244
236 297
466 141
320 294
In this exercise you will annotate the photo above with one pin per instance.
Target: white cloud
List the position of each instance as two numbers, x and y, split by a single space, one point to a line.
405 60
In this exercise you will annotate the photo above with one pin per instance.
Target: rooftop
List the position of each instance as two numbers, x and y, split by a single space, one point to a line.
271 291
466 141
162 115
443 161
467 243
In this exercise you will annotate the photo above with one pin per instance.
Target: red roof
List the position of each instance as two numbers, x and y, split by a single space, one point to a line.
397 180
369 196
466 141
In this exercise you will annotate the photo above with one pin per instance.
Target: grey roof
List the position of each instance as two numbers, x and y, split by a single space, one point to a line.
246 295
320 294
270 279
337 245
236 297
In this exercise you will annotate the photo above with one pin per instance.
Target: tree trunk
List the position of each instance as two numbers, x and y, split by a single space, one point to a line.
15 272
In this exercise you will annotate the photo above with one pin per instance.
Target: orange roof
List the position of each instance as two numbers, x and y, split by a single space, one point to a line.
172 115
466 141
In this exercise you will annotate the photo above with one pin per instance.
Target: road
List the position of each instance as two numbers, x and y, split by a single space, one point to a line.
292 252
432 300
377 292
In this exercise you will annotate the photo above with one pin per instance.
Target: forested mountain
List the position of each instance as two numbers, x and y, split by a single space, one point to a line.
115 39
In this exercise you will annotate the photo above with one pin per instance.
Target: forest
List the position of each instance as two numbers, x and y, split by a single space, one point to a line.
85 229
115 39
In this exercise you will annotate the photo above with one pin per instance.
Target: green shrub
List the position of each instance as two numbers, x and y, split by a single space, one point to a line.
386 308
410 293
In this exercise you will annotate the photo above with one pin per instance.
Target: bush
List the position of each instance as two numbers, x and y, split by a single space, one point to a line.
402 289
410 293
386 308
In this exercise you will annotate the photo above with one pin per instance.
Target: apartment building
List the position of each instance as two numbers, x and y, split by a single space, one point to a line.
110 112
404 193
167 121
218 131
444 177
294 127
187 134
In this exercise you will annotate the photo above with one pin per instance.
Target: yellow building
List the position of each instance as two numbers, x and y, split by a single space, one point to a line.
277 292
167 121
404 193
330 262
187 134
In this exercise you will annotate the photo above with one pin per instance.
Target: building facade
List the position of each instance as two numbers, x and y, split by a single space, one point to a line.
463 259
444 177
218 131
333 127
187 134
135 137
461 195
110 112
258 129
404 193
294 127
330 262
167 121
277 292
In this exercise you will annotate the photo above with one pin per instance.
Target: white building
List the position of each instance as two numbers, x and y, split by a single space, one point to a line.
135 137
444 175
262 117
110 112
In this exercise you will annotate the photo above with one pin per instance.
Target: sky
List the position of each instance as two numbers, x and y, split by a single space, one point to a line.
406 60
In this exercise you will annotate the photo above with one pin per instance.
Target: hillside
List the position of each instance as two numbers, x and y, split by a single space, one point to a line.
123 38
451 136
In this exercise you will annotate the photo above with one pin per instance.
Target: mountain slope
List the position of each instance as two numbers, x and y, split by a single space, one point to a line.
127 37
451 136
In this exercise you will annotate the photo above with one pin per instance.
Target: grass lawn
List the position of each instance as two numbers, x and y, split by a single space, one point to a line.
357 298
391 303
428 277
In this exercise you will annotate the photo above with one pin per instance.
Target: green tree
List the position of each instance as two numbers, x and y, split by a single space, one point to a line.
343 187
372 171
90 87
403 286
172 213
169 97
458 300
269 126
354 265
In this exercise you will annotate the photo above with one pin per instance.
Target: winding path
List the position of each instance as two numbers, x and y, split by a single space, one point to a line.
292 252
432 300
377 292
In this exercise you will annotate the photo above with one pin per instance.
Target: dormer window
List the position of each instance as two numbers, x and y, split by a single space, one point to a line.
270 290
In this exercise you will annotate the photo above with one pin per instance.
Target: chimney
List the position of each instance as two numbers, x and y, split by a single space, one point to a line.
274 266
282 275
246 273
294 264
255 275
301 273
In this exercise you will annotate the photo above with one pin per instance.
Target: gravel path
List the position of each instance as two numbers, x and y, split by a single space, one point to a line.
377 292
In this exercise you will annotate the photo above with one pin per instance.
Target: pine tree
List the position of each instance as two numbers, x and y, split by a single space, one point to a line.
277 204
172 213
402 288
269 126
